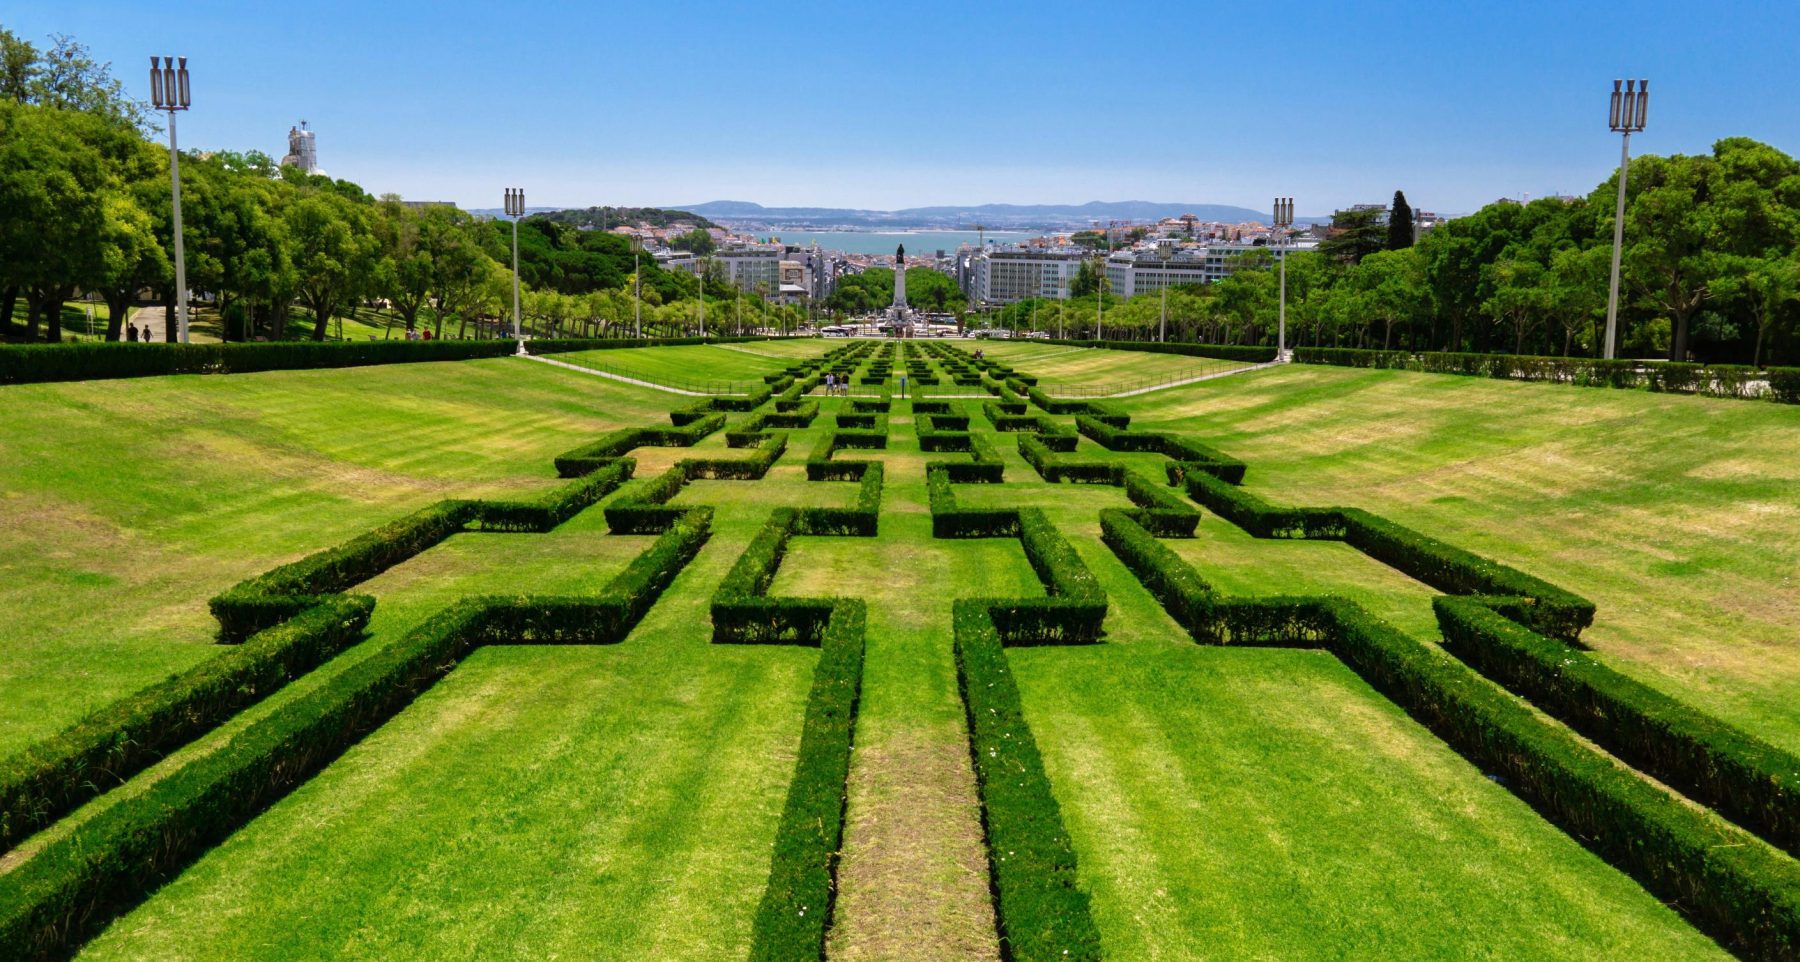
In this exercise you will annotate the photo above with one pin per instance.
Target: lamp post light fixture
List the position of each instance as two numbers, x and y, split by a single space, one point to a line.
169 91
1629 107
1284 220
515 208
1163 253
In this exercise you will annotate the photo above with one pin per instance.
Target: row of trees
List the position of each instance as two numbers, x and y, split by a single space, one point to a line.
1711 272
85 199
927 289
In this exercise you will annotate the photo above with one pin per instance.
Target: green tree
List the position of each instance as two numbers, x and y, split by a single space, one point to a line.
1089 279
1355 234
1400 223
333 251
698 241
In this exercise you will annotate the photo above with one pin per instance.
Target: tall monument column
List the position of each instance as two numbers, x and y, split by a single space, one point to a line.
900 280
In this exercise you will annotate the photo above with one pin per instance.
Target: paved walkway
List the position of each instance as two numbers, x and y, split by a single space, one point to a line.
149 320
1192 380
621 378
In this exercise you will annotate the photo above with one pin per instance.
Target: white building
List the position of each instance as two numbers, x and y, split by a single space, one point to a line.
1004 275
303 150
1148 270
750 268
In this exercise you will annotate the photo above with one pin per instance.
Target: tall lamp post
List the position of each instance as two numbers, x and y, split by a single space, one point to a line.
169 91
515 208
1163 253
1284 219
1627 117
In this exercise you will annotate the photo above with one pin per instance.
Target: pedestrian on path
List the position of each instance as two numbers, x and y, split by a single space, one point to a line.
830 383
902 385
131 332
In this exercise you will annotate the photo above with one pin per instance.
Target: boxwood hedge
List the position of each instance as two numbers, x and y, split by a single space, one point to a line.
80 881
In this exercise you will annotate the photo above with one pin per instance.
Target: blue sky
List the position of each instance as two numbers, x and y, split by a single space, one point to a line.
907 104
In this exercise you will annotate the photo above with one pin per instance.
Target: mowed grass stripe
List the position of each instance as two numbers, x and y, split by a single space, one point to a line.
1267 804
1676 515
124 505
623 796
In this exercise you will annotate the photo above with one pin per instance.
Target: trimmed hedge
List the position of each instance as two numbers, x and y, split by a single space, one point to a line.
55 776
743 612
1076 606
646 510
751 468
1737 381
791 919
705 407
1732 887
983 467
590 457
554 506
1041 911
1039 456
78 883
89 360
1185 455
1552 610
949 520
861 520
281 593
1743 778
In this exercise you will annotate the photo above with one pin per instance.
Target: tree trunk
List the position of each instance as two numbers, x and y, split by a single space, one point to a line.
1678 342
321 317
118 304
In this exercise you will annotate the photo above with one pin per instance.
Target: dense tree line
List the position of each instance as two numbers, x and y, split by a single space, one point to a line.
1711 272
927 289
606 218
85 208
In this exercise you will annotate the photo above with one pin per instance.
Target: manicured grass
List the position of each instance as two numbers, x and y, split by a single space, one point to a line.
1677 516
538 801
622 800
126 504
717 366
1232 803
1061 364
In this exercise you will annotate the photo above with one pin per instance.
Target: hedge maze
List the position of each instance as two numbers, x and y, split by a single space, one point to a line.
1510 688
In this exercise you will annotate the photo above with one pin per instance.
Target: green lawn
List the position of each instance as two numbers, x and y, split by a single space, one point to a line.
125 504
1266 804
537 802
717 367
621 801
1677 516
1058 364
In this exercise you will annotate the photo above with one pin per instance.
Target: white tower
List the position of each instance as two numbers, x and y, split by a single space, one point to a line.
303 150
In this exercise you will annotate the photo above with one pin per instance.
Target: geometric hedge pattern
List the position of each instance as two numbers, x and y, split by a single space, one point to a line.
1718 842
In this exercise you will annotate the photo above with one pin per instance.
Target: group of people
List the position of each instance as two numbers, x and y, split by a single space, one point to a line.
131 333
835 384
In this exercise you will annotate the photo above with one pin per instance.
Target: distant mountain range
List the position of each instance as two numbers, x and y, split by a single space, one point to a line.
743 213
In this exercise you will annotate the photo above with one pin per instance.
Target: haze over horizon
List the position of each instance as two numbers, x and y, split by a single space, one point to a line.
943 105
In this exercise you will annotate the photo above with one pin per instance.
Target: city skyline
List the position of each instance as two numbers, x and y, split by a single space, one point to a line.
951 106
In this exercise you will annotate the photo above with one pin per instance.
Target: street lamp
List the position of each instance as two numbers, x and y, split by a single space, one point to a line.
1163 252
515 208
1627 117
169 91
1284 219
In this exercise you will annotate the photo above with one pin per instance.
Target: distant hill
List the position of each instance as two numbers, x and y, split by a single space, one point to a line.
998 216
607 217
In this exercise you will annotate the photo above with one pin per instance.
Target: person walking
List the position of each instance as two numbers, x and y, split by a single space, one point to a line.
131 332
830 384
903 385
